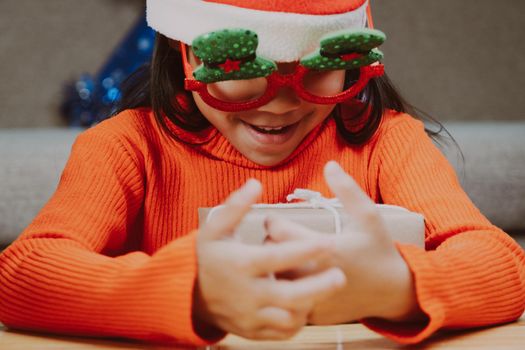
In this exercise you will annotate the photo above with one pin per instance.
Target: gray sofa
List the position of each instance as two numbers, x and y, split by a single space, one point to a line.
493 174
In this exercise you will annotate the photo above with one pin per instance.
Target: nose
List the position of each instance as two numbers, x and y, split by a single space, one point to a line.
286 99
284 102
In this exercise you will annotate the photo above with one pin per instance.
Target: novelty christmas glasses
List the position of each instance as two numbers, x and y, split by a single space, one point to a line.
232 78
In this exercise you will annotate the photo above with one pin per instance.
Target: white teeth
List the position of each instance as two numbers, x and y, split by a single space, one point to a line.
271 129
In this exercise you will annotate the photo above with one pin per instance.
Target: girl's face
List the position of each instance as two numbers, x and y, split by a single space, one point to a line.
269 134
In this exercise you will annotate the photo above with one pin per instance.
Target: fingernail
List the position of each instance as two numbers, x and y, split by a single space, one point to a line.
266 223
252 187
270 219
339 277
333 168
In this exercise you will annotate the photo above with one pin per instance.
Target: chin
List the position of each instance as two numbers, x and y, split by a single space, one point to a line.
268 160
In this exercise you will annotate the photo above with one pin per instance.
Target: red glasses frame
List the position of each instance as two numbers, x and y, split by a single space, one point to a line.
274 82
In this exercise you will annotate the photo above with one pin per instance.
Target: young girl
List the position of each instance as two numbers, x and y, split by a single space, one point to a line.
244 102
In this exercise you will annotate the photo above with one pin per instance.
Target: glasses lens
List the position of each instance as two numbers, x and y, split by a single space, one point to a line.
329 82
238 90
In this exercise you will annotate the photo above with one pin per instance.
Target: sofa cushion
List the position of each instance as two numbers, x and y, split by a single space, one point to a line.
31 161
493 173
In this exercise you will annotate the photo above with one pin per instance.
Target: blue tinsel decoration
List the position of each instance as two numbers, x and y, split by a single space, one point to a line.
91 99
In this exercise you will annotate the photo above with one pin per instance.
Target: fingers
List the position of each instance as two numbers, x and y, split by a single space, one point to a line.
302 294
273 323
356 202
268 322
269 334
234 209
282 322
280 230
289 255
345 188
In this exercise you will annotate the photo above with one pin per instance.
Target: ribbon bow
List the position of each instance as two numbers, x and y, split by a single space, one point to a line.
317 200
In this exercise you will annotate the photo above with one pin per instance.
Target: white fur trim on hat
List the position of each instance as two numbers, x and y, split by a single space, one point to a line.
283 36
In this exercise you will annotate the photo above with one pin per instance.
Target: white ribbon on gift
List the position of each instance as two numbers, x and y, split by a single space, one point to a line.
318 201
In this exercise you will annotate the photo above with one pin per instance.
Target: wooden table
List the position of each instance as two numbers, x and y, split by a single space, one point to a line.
352 336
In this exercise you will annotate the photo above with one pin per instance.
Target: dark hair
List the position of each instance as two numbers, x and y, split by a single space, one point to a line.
154 85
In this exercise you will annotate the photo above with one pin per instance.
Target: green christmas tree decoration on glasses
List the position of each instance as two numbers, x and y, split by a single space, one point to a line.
229 54
346 50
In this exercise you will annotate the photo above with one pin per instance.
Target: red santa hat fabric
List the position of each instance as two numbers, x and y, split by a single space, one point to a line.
287 30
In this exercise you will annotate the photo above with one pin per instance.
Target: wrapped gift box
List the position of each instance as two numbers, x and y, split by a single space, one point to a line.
323 215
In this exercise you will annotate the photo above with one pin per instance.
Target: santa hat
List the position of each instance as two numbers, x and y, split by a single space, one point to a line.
287 30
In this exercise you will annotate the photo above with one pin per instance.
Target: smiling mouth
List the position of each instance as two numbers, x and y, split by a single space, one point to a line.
271 135
271 130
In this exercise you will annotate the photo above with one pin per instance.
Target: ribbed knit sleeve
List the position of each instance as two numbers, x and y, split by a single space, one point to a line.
472 273
61 274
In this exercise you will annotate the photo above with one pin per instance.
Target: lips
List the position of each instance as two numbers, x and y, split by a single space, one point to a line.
271 135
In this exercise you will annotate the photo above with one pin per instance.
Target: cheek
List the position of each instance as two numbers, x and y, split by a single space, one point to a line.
323 111
324 83
201 105
238 90
215 117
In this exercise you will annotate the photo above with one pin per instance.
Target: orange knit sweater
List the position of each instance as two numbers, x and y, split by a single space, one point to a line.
113 251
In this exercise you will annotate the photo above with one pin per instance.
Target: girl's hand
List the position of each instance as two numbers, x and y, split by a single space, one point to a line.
379 283
234 292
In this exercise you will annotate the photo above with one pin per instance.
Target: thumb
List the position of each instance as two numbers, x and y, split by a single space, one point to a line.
345 188
236 206
355 201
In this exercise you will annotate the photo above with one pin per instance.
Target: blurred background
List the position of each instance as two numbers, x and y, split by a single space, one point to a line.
456 60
